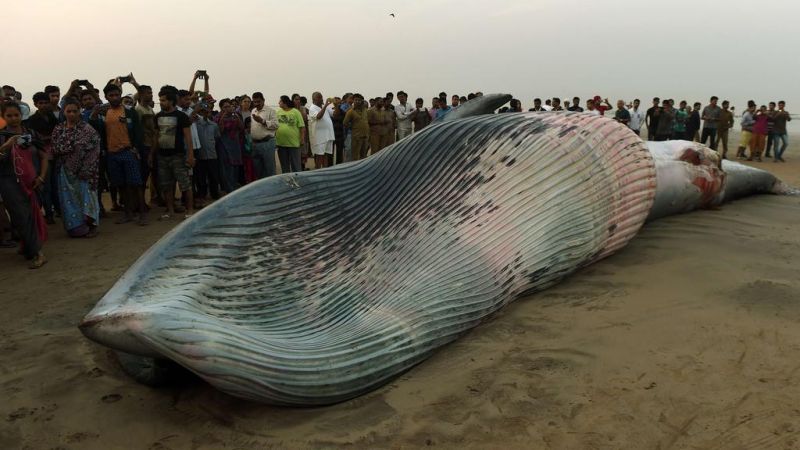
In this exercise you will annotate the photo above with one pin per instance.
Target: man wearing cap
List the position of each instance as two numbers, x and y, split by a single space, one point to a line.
601 106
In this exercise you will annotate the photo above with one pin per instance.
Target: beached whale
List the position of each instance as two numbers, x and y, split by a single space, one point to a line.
316 287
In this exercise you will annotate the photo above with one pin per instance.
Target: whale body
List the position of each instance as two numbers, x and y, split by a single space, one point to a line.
313 288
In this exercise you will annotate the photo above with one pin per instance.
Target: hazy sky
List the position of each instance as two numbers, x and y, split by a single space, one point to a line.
684 49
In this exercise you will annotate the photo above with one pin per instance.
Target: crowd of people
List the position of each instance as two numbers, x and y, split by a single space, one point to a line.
59 157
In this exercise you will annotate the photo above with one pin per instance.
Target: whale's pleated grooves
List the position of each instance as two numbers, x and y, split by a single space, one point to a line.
316 287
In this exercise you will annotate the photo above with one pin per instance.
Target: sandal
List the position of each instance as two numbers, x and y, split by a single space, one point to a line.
187 215
164 217
38 261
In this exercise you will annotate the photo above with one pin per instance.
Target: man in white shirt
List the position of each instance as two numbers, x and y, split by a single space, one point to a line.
403 111
262 130
185 106
320 124
637 118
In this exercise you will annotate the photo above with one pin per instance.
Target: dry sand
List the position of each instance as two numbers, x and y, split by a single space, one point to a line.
687 338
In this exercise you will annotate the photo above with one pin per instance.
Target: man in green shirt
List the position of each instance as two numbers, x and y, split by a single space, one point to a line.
358 121
289 136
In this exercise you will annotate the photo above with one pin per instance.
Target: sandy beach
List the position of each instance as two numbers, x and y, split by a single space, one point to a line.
687 338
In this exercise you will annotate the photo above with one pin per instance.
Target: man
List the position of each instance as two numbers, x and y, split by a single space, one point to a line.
679 124
379 126
770 128
25 109
637 118
403 111
455 101
121 138
651 119
548 105
443 110
781 138
747 122
666 121
175 151
710 121
590 108
54 94
442 99
693 126
87 105
147 117
11 94
388 100
346 152
557 104
263 125
576 105
724 124
185 106
601 106
320 122
622 115
43 122
357 119
391 121
537 105
420 116
206 170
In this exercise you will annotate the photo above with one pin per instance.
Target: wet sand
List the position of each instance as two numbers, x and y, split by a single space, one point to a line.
687 338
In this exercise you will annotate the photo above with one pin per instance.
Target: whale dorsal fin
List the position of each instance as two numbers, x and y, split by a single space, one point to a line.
485 104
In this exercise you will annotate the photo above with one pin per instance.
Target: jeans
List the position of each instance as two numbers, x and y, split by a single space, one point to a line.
782 141
770 140
264 158
712 134
290 159
348 148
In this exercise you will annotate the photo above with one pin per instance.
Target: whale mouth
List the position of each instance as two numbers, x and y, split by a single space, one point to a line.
116 330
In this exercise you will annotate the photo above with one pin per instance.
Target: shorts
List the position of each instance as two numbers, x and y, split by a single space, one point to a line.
323 148
124 168
173 169
744 140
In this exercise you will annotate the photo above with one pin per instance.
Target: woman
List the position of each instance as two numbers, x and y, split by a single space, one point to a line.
76 147
249 171
231 129
289 136
679 127
19 183
759 138
305 148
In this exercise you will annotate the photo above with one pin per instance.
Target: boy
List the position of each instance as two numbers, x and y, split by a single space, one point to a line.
175 151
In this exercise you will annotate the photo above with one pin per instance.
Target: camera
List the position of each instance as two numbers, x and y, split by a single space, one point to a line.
25 140
125 79
201 74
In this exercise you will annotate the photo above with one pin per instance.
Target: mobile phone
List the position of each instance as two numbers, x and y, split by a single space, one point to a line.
83 82
201 74
125 79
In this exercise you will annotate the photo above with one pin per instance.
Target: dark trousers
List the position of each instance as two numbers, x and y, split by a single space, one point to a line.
338 146
712 134
228 176
290 159
19 210
651 134
206 176
663 137
770 140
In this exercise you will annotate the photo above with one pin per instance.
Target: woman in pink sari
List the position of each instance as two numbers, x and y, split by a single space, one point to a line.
19 183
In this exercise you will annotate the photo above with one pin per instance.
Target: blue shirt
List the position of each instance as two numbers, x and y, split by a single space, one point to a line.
441 112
